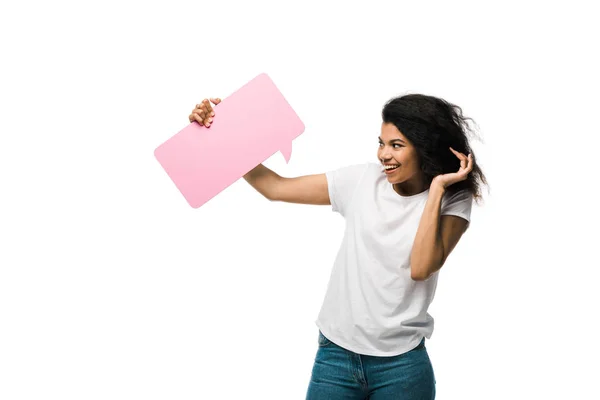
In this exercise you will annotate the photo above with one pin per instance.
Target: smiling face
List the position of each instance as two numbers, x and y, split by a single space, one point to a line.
396 151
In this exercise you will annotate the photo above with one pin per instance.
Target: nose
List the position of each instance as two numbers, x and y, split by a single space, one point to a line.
384 155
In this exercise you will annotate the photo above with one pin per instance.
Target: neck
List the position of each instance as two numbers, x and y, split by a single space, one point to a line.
411 187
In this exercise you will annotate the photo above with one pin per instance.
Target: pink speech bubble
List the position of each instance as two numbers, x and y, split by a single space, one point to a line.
249 126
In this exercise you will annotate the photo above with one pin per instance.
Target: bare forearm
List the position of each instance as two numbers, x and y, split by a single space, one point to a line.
428 250
263 180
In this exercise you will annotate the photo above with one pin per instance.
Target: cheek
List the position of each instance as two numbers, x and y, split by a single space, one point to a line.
412 164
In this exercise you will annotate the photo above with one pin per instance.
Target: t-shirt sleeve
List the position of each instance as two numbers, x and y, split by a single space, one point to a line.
342 183
459 204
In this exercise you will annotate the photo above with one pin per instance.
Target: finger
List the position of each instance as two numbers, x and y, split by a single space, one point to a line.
470 163
466 166
203 121
458 154
464 162
206 121
206 110
461 157
198 118
215 101
204 104
199 112
462 166
208 106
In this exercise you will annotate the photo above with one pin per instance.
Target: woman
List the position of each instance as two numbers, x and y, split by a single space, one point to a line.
404 216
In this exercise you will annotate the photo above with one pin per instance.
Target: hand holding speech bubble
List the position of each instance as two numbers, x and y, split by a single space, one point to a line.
249 126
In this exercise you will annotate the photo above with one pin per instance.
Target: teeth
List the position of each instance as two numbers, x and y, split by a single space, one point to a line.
388 167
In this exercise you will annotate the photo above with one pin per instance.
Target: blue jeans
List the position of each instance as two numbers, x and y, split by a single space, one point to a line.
342 374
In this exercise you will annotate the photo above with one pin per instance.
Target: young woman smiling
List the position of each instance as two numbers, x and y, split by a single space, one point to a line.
404 215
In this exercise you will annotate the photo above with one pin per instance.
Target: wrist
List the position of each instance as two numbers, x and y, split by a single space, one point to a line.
437 188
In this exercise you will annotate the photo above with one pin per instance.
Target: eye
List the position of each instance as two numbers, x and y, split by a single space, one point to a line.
399 145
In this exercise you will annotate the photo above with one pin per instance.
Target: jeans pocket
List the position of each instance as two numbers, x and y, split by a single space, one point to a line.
323 341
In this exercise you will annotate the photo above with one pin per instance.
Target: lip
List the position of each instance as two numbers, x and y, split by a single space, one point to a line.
390 171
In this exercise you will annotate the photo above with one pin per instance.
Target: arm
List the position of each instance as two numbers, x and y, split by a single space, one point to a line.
436 237
309 189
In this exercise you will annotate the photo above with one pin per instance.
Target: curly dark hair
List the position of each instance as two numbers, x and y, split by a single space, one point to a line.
433 125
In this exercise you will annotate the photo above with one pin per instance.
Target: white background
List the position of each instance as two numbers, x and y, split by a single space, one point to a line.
112 287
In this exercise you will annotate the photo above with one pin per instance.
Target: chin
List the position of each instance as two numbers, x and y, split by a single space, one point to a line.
395 180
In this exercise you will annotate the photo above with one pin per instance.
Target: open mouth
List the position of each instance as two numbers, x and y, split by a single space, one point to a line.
390 168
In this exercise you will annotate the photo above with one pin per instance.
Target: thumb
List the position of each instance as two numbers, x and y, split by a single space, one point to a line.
215 100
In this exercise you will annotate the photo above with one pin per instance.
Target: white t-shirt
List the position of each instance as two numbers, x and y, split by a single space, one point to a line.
372 306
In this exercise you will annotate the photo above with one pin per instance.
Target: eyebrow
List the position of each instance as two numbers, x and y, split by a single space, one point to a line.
393 140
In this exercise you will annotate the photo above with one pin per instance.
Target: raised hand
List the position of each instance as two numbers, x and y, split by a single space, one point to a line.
466 166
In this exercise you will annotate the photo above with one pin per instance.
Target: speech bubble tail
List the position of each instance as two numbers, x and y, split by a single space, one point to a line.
287 151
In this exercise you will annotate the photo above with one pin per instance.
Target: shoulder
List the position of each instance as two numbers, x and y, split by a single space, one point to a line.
457 196
343 182
458 203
